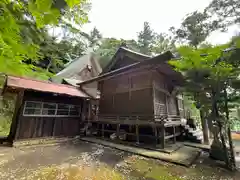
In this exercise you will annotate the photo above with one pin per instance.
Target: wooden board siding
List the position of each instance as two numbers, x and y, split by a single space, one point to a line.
127 94
35 126
161 86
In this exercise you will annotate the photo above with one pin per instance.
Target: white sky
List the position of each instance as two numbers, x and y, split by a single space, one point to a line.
124 18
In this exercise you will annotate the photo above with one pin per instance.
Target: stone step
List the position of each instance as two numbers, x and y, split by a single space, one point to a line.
197 133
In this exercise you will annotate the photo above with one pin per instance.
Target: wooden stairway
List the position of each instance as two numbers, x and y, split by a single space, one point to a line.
192 135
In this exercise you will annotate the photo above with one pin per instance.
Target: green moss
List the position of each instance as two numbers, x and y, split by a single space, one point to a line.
5 123
76 173
152 170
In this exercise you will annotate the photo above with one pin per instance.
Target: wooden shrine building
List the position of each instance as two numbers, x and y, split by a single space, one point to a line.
139 95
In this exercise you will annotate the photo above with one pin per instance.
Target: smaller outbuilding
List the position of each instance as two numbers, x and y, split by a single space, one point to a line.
45 109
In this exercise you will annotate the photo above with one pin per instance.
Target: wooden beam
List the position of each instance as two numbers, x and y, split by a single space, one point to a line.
118 130
102 130
137 132
174 134
162 135
89 110
156 134
14 129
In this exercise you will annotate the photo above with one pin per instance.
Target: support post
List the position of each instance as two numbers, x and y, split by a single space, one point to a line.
162 135
14 129
156 133
118 129
102 130
137 131
174 134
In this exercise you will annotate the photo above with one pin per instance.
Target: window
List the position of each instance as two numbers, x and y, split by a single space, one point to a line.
63 110
49 109
34 108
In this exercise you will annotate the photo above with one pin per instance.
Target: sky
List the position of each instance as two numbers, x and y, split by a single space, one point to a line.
124 18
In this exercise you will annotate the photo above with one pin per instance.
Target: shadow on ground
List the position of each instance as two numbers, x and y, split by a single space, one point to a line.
19 163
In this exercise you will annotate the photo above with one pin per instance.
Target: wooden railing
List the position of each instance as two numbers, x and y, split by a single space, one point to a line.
142 117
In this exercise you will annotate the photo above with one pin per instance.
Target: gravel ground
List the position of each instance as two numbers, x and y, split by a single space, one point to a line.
17 163
26 162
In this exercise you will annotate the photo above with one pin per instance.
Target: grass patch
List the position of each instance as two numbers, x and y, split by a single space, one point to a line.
149 169
5 123
158 170
76 173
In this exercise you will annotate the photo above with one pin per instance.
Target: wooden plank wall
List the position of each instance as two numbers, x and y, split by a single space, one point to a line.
127 94
163 96
35 127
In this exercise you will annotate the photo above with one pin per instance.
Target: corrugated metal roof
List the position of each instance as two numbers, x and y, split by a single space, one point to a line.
43 86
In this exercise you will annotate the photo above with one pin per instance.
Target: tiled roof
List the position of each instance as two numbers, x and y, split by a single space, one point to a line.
43 86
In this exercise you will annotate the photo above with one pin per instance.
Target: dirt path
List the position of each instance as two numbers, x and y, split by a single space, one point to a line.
16 163
84 159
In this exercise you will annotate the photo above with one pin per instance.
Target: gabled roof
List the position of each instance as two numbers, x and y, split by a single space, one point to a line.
72 82
43 86
125 52
160 59
74 68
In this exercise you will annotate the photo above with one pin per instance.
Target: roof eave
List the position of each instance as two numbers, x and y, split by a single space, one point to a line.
155 60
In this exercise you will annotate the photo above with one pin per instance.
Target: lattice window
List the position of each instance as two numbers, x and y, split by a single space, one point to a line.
36 108
172 106
160 109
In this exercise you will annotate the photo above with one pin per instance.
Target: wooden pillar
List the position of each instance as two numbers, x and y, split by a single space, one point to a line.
162 135
118 129
89 110
102 130
174 133
14 129
156 133
83 117
137 131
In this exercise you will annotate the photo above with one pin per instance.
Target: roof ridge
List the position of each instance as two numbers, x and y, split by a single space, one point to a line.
135 52
43 81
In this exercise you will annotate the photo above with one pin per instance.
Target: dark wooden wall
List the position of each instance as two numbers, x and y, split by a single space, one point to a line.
34 127
162 95
127 94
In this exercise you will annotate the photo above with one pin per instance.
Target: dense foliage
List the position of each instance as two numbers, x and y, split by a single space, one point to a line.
23 30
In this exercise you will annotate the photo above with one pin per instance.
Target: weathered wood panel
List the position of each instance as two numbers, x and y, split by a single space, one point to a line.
142 102
124 83
141 80
35 126
160 102
160 82
172 105
127 94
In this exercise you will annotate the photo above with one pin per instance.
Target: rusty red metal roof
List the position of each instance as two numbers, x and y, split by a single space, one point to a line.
43 86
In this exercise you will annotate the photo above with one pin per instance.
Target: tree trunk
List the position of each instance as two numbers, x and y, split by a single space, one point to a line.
219 123
204 127
232 159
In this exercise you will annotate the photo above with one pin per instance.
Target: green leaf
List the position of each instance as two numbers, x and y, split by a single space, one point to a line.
44 5
72 3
